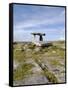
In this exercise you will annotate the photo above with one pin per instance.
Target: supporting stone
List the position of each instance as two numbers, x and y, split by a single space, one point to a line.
40 41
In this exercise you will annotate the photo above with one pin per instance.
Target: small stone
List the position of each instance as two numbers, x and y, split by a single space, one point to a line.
53 51
37 49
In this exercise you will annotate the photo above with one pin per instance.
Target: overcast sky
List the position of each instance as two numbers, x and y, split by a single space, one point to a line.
45 19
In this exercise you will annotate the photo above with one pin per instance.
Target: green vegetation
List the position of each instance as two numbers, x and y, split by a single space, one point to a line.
31 46
50 76
55 63
27 53
19 56
22 71
47 73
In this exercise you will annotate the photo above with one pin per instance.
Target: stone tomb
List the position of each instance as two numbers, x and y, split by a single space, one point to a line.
40 42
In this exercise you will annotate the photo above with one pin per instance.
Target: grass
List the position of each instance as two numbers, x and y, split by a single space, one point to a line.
21 72
50 76
47 73
31 46
58 51
55 63
19 56
44 53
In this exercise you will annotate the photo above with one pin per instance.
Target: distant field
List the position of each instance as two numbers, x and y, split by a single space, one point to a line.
38 65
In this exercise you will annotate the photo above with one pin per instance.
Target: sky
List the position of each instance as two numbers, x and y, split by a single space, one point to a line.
43 19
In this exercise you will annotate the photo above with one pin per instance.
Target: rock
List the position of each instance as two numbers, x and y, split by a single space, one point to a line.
15 64
33 79
37 49
25 47
53 51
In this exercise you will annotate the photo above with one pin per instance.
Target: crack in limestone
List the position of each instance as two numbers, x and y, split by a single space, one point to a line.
49 75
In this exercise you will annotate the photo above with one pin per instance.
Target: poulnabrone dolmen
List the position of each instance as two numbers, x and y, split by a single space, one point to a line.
40 42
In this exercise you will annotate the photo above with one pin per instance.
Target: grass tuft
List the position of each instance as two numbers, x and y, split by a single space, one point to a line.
22 71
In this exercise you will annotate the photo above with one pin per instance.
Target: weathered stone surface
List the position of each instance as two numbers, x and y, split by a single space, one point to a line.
53 57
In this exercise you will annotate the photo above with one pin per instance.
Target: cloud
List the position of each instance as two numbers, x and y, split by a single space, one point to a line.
50 20
51 34
40 21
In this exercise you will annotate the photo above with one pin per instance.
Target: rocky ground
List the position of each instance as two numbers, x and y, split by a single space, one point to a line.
38 65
